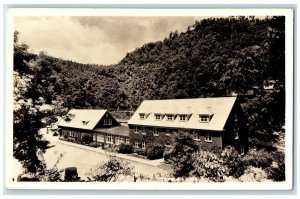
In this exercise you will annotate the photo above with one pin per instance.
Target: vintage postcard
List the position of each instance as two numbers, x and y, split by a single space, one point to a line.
149 99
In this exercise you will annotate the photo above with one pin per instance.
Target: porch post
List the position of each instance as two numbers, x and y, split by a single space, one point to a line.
96 138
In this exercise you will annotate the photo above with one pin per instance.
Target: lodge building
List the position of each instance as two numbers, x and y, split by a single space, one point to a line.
97 126
213 122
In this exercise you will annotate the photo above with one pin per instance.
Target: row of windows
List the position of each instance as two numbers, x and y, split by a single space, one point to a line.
71 133
197 135
182 117
118 139
137 144
107 121
143 131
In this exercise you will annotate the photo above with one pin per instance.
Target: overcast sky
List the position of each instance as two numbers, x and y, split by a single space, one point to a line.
99 40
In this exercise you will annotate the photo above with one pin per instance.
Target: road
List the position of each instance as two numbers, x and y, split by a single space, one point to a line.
85 159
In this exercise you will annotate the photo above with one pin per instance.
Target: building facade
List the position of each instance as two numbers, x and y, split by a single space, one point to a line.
213 122
96 126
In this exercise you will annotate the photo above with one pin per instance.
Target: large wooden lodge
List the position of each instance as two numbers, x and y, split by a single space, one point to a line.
213 122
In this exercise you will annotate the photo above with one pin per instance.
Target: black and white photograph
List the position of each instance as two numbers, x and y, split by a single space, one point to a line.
150 99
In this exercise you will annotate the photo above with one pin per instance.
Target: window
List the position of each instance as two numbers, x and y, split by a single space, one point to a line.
158 116
236 133
236 118
197 136
85 122
119 140
155 133
127 141
182 117
109 121
169 117
136 130
136 144
104 121
242 150
143 130
143 145
204 118
109 139
168 133
208 137
142 116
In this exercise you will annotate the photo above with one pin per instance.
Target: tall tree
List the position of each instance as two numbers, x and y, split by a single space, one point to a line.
28 115
181 154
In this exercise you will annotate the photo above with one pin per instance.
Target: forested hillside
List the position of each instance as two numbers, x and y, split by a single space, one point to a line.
214 57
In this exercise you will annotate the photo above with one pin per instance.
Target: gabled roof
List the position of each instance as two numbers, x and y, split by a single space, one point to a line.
218 108
83 118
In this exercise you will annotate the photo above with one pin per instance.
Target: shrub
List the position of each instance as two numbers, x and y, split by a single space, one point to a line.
167 156
181 154
276 172
87 138
232 159
155 151
259 159
28 177
125 148
253 174
110 171
209 165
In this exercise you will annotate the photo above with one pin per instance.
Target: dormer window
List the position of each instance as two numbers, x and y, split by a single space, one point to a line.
142 116
85 122
182 117
205 117
158 116
169 117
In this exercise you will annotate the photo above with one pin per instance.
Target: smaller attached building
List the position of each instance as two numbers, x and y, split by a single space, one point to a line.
213 122
97 126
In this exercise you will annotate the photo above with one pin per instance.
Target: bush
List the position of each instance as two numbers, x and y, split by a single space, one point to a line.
87 138
155 151
209 165
253 174
276 172
167 156
125 148
142 152
259 159
110 171
232 159
181 154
